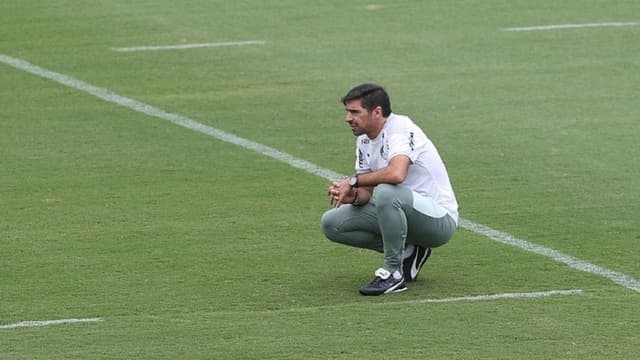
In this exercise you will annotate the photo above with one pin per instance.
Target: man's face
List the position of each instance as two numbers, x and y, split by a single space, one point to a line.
358 117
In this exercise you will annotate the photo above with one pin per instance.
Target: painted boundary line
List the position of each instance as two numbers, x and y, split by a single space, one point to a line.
39 323
109 96
570 26
189 46
499 236
520 295
476 298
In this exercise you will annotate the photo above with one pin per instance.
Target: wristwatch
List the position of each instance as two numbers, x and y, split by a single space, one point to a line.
353 181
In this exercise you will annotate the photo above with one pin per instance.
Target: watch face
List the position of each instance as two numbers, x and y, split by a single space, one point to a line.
353 180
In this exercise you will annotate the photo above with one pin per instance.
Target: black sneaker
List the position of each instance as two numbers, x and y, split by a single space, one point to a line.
384 283
412 264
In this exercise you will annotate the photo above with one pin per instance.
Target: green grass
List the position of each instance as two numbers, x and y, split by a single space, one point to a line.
189 247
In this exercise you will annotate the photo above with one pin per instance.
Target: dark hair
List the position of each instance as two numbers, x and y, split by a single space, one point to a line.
371 96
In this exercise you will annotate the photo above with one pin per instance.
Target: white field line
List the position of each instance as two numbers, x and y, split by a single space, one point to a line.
489 297
505 238
521 295
109 96
189 46
570 26
38 323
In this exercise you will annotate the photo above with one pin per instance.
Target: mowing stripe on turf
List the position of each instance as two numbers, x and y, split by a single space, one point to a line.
570 26
189 46
38 323
108 95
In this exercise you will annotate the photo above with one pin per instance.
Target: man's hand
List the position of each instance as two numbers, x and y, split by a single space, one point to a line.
340 192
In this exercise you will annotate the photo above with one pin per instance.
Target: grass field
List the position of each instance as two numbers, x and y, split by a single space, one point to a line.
186 246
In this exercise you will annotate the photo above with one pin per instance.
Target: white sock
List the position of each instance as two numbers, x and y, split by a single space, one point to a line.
408 251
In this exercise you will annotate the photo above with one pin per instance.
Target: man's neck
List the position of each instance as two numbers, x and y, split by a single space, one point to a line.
378 129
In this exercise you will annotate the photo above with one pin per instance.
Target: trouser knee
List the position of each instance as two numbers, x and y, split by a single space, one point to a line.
386 194
329 225
389 195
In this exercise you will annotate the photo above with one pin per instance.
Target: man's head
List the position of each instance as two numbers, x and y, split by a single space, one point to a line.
367 107
370 96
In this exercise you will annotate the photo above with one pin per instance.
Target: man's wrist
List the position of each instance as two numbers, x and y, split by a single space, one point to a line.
356 198
353 181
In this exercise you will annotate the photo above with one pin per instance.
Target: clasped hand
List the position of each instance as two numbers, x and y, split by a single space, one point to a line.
340 192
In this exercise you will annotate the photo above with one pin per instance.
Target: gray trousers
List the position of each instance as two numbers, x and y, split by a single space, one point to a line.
394 217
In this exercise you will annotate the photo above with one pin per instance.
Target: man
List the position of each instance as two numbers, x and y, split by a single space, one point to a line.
399 201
